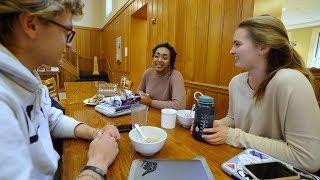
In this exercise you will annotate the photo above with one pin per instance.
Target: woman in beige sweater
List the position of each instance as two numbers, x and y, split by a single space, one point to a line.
272 106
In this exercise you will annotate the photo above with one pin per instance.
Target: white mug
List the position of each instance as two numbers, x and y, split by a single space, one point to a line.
168 118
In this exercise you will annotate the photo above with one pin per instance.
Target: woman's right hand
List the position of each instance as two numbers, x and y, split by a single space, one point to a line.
103 151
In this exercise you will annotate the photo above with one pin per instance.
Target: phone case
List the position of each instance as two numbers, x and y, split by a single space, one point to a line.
124 128
282 178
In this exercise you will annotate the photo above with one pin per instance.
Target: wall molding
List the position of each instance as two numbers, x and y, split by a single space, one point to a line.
86 28
303 25
207 87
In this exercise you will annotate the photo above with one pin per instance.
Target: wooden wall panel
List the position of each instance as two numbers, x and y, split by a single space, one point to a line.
170 27
316 83
87 45
159 4
222 105
138 53
190 44
153 27
149 33
231 20
201 40
180 37
87 42
214 42
65 76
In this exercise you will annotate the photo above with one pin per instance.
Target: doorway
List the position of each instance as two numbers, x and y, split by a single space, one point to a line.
138 45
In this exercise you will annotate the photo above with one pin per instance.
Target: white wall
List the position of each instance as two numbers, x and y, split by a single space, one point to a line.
92 14
116 6
95 12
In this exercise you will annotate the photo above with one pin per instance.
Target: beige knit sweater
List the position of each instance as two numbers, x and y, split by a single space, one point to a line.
166 91
284 124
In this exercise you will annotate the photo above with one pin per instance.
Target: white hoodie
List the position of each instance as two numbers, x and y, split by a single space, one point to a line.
27 122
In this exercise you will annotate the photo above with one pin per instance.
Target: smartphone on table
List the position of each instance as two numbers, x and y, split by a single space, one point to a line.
270 170
124 127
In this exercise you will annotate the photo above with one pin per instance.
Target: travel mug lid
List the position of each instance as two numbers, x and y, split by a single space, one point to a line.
205 100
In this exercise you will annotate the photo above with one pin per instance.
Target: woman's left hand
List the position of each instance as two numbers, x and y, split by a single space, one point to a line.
216 135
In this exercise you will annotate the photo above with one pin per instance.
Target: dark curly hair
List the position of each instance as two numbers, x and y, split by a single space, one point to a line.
172 51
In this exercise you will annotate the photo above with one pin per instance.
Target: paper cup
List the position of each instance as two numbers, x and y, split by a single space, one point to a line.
168 118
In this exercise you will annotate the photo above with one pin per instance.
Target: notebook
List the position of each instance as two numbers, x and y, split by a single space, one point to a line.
251 156
110 111
153 169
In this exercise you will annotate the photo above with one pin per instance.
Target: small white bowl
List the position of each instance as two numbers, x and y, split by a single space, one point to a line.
157 135
185 118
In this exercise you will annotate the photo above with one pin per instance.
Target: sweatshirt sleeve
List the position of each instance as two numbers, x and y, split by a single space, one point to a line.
298 106
60 125
178 95
15 157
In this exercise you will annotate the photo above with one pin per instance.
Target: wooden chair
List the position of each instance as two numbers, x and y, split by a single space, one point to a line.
52 87
125 83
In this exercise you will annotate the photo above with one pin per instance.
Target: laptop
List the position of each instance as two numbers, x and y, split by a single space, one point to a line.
233 166
153 169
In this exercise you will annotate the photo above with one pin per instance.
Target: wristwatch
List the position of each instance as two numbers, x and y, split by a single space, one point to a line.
95 169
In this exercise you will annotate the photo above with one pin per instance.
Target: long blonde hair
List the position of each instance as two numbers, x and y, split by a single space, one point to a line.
48 9
269 31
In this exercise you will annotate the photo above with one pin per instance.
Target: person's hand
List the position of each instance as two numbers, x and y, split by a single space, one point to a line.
111 129
146 99
216 135
102 151
214 125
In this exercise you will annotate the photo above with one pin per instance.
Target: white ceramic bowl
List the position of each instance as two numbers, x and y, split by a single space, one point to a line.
185 118
157 135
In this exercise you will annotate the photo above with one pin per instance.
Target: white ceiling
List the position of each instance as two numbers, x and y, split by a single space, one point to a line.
301 13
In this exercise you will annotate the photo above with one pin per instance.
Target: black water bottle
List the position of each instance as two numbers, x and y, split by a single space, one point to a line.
204 116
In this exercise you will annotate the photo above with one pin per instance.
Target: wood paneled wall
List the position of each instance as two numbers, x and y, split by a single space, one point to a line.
316 83
200 30
87 44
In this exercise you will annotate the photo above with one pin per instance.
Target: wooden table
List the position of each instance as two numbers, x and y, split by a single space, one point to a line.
179 145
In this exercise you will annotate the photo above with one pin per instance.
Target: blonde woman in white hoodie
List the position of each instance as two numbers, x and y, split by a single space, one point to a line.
35 32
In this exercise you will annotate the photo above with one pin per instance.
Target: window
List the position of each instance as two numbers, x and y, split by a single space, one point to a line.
315 58
108 7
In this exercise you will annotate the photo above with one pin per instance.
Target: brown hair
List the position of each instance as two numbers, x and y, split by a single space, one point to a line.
269 31
48 9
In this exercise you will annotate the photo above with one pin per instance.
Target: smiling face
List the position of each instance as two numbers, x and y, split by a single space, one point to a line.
161 60
245 52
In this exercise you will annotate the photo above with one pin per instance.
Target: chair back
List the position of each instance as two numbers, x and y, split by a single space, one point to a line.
52 88
125 83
